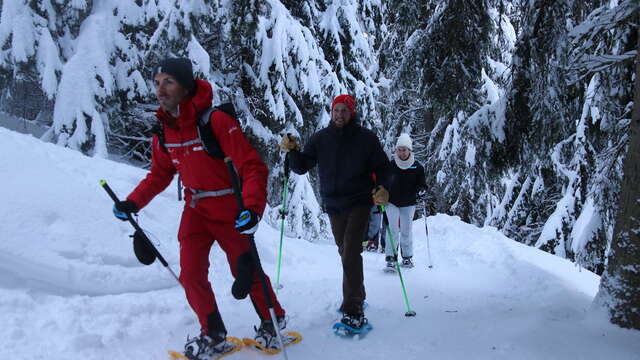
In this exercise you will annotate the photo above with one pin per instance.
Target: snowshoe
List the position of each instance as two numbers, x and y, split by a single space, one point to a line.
355 321
204 347
352 324
266 339
407 263
390 267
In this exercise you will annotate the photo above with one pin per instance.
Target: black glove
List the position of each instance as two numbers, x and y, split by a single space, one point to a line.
122 209
143 249
245 268
247 222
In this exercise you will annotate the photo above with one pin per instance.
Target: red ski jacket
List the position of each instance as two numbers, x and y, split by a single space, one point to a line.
198 170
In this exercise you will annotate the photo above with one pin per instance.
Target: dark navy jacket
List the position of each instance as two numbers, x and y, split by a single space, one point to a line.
346 158
403 185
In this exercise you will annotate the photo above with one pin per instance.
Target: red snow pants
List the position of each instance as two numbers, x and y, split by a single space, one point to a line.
197 235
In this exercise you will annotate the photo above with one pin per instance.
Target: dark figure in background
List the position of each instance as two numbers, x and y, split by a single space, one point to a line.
376 231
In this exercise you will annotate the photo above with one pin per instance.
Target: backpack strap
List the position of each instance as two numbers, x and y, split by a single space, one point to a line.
158 130
205 134
209 142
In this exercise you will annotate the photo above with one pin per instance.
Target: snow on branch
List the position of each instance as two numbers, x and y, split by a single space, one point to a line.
602 22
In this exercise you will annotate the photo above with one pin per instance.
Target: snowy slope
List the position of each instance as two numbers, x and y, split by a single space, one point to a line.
70 287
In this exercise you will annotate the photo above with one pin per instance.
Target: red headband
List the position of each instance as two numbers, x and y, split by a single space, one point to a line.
347 100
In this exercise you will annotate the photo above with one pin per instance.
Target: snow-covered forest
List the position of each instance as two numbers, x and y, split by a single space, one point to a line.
520 110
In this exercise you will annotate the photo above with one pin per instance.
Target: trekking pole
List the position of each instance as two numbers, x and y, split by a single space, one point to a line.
148 242
395 254
254 252
283 214
426 230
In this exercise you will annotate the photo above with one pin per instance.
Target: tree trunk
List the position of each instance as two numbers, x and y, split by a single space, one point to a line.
620 286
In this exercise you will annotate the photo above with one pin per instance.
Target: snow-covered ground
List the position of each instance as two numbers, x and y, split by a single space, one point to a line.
71 288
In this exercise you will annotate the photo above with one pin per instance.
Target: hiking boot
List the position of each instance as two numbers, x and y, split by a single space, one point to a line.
204 347
355 321
372 246
406 262
266 334
391 264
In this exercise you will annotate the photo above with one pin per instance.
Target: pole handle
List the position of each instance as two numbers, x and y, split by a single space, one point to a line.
107 188
287 169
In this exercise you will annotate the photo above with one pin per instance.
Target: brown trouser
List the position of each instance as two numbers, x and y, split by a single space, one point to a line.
348 229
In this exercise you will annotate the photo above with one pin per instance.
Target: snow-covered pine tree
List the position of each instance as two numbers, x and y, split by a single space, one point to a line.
286 81
282 82
401 104
553 104
560 129
435 77
603 45
99 75
30 59
347 39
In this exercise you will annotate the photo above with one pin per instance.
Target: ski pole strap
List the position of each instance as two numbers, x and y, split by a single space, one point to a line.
200 194
235 182
287 169
385 219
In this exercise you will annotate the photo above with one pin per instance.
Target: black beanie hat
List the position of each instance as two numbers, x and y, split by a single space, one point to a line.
179 68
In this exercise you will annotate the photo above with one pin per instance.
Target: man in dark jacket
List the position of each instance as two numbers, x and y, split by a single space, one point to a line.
347 155
210 212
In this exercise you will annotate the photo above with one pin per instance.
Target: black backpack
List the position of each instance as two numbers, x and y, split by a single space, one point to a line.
208 139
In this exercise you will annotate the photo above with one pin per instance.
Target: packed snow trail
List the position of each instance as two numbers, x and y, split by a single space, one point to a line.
71 288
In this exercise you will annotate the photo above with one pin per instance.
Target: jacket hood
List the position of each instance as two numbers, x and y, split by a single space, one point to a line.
190 108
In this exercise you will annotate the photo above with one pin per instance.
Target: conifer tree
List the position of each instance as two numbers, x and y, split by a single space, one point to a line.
435 87
30 59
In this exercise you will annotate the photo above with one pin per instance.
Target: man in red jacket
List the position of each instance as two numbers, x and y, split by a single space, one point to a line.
210 213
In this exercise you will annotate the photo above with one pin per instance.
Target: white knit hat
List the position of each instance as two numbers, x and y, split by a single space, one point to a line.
405 140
